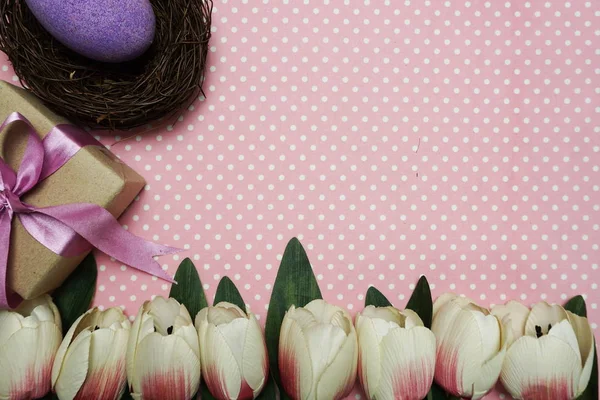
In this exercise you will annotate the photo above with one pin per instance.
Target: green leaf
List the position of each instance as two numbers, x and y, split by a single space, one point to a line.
577 306
295 285
375 298
421 302
74 296
188 290
227 291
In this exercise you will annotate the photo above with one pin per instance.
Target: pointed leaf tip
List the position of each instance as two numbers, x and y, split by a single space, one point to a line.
227 291
421 301
375 298
189 291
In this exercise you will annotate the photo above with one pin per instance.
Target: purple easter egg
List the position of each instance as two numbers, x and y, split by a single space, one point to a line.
104 30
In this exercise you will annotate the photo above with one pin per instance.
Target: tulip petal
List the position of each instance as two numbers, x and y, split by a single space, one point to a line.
459 349
515 315
106 372
441 301
490 371
541 369
64 345
74 367
166 368
543 314
189 334
411 319
17 357
369 362
49 339
295 365
163 312
255 368
10 323
389 314
142 326
408 364
42 308
338 378
585 339
221 370
326 313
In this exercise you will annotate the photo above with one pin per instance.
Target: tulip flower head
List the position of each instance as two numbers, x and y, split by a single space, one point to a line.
163 356
90 362
318 352
29 339
232 352
552 353
396 354
471 346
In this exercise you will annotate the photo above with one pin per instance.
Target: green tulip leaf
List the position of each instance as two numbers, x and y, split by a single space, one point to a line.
74 296
188 290
421 301
295 285
375 298
577 306
227 291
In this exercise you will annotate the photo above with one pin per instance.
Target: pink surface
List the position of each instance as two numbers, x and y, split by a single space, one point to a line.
458 140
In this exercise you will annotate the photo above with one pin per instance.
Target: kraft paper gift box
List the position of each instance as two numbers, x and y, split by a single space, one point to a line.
93 175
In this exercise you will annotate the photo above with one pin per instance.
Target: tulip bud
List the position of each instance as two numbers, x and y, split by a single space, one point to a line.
163 360
552 354
232 352
29 339
396 354
90 362
318 352
470 346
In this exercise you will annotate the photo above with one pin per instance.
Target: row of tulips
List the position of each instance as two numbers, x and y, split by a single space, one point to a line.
541 353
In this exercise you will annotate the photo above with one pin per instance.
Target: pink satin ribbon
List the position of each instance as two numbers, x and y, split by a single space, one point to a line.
70 229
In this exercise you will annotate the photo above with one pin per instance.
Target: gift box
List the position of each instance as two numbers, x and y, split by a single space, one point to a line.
93 175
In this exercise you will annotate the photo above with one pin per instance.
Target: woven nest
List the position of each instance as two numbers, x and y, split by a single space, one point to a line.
112 96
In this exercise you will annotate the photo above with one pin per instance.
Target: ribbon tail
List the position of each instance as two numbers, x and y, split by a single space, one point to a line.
7 299
101 230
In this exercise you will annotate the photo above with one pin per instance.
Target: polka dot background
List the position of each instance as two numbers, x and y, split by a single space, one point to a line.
455 139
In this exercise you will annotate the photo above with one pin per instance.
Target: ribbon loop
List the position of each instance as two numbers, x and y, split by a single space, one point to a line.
90 224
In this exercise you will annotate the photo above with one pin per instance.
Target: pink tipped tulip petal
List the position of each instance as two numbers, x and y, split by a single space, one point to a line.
318 352
29 339
553 358
163 356
471 346
397 354
233 352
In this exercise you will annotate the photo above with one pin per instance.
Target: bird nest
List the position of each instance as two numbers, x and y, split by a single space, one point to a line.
112 96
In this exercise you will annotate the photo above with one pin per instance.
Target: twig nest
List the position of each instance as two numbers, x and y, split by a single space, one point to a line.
167 77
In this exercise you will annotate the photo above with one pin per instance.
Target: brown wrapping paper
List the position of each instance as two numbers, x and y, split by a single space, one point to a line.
93 175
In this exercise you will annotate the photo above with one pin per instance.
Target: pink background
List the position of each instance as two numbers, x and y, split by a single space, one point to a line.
458 140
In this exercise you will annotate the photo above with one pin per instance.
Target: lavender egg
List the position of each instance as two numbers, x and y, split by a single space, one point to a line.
103 30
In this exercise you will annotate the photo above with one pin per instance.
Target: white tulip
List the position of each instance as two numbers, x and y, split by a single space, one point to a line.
232 352
318 352
90 362
552 354
396 354
29 339
471 346
163 358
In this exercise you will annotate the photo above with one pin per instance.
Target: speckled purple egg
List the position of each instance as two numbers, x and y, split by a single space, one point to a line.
104 30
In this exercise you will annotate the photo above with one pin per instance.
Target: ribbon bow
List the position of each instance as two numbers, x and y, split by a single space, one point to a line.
71 229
